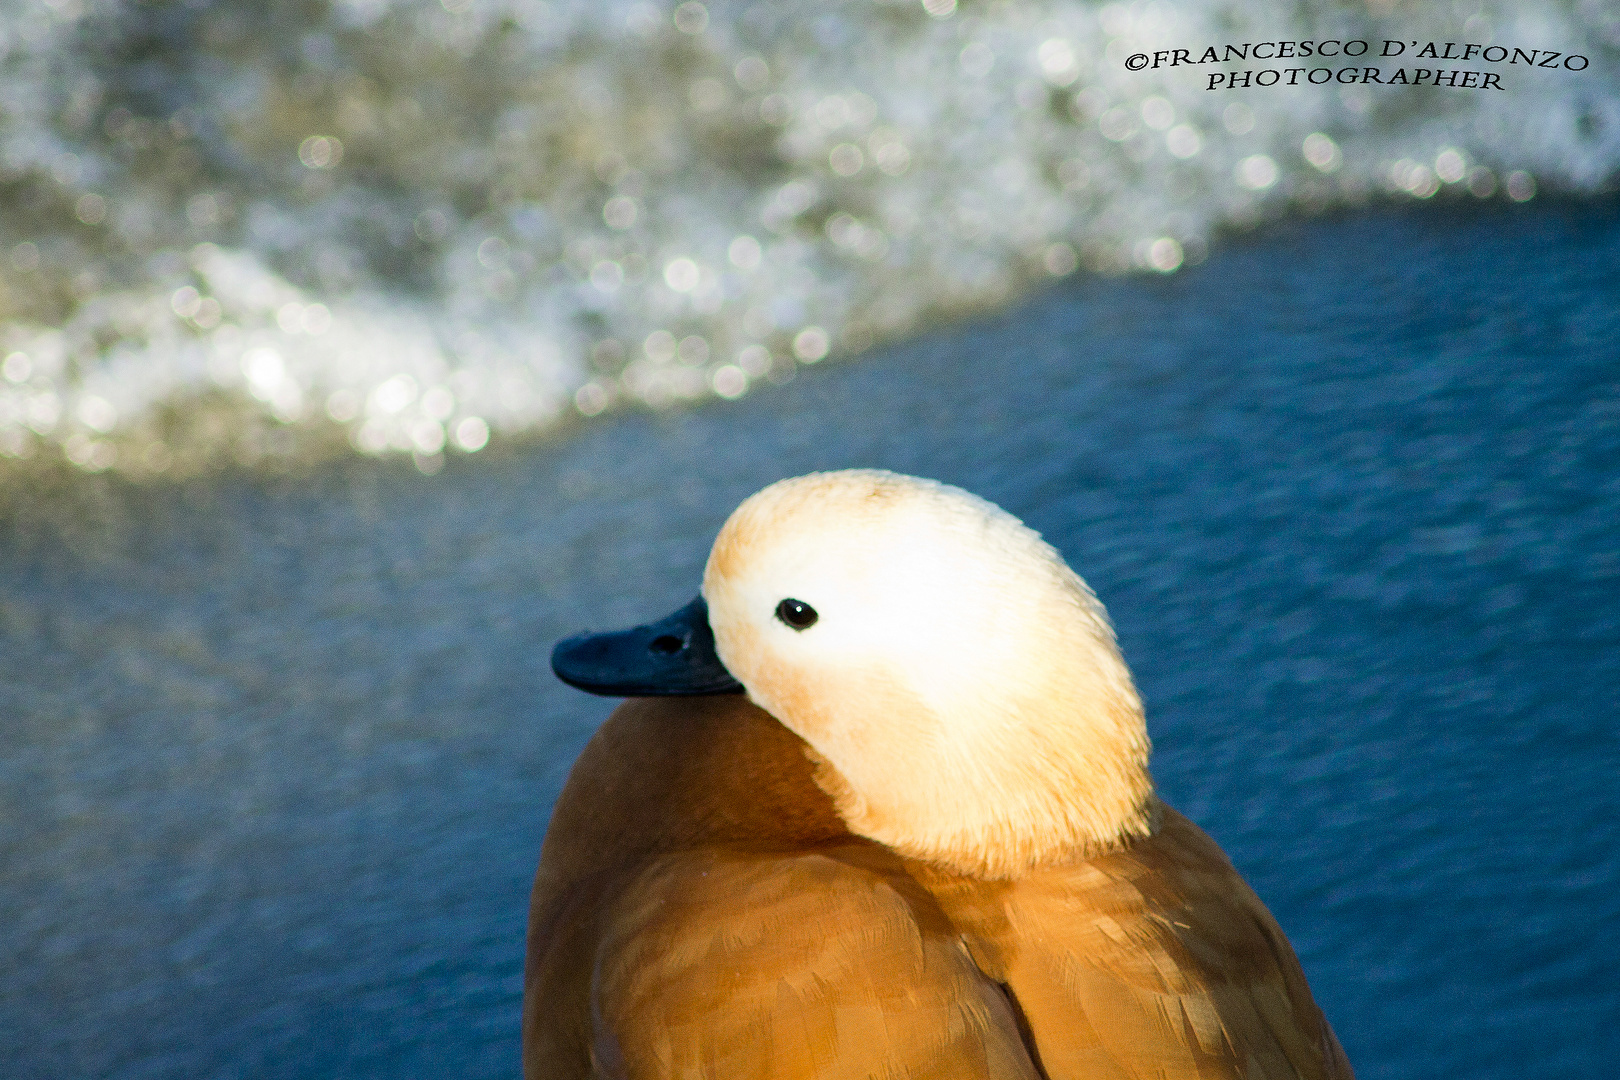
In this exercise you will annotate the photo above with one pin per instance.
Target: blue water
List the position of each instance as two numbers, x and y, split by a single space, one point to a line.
276 754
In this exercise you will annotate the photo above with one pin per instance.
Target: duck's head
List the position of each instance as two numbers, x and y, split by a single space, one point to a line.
958 684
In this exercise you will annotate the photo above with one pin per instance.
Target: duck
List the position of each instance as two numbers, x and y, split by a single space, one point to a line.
877 804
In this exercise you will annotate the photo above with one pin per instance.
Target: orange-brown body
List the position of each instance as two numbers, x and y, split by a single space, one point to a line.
701 910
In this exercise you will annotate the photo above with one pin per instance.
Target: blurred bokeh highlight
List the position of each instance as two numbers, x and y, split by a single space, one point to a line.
263 232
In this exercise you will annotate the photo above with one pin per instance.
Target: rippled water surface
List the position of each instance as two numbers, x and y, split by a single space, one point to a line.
277 754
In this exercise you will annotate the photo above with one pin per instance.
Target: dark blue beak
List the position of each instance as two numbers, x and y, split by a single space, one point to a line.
672 657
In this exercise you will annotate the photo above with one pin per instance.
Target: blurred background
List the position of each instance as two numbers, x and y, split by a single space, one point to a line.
352 353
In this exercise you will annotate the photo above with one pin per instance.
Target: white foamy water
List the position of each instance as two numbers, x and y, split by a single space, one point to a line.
230 235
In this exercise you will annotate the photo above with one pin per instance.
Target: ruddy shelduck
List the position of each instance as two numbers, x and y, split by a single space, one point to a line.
881 808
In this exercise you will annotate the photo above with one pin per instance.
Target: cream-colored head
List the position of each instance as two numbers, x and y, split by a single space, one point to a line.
960 686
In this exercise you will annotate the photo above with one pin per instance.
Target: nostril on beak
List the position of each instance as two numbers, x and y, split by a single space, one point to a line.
667 644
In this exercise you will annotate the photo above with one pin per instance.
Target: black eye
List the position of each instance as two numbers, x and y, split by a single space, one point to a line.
796 613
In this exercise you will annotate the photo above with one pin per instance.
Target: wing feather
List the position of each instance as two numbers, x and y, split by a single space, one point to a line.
1156 961
825 964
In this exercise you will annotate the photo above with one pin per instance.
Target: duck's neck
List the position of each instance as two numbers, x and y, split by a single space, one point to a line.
1011 801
